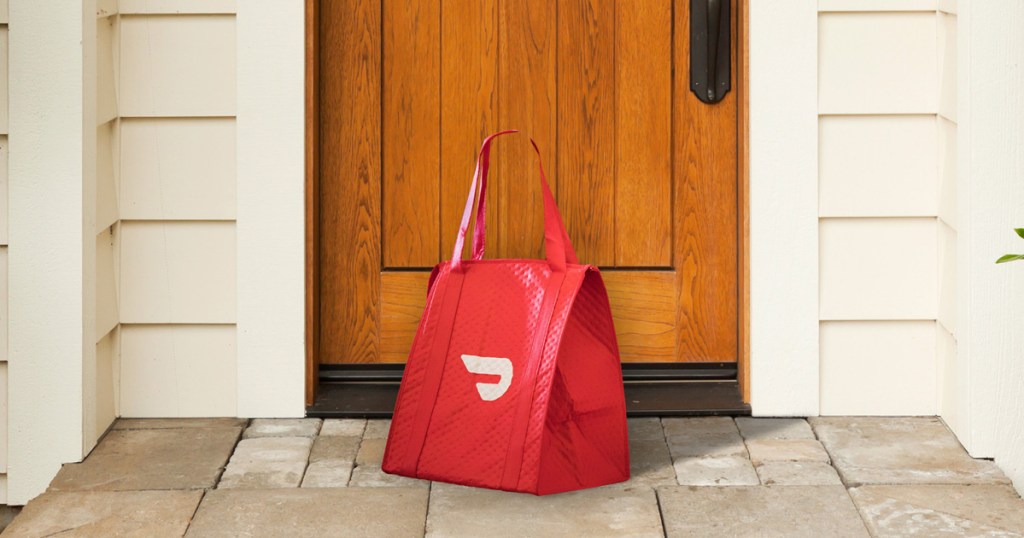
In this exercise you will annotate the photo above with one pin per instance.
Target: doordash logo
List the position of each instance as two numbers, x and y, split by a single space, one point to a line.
498 366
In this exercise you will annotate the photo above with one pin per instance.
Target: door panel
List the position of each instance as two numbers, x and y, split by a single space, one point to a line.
644 173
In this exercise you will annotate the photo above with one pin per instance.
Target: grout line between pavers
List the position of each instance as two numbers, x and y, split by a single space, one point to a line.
661 513
426 513
194 512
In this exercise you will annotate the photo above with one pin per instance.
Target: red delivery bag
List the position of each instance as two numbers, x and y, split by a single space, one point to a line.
513 381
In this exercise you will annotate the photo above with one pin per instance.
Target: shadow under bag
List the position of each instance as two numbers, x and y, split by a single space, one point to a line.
513 381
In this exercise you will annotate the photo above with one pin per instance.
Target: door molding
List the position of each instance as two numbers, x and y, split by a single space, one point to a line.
312 189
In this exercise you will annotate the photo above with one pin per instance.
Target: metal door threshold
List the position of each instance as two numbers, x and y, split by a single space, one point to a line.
652 389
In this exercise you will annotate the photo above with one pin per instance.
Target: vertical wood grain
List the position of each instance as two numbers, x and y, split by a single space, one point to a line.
527 101
312 198
469 106
350 172
411 137
705 208
643 133
586 126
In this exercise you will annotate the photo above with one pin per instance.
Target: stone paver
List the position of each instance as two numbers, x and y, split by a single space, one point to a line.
163 423
715 444
650 463
331 461
645 429
282 427
372 476
904 450
797 473
457 511
774 428
340 512
762 450
348 427
186 458
327 474
701 476
371 452
377 429
790 511
715 471
267 462
334 448
694 426
106 513
941 510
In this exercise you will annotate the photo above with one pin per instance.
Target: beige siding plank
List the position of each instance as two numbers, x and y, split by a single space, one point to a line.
101 407
177 272
892 72
874 5
3 190
106 8
877 166
947 246
178 370
3 11
3 79
946 353
177 7
878 269
947 65
878 368
4 319
178 169
106 284
106 176
106 81
177 66
947 170
3 417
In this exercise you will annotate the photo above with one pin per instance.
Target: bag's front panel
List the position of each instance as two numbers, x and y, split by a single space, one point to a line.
473 417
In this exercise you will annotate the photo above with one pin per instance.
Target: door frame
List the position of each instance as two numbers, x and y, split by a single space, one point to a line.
312 192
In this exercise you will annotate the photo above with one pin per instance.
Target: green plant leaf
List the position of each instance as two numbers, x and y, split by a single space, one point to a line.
1010 257
1020 231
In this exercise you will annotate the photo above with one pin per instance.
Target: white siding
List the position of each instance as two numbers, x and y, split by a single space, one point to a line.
876 63
874 367
886 155
178 168
99 389
178 370
177 272
181 65
176 194
3 250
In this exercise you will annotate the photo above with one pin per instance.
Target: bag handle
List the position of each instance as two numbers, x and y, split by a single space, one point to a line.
557 247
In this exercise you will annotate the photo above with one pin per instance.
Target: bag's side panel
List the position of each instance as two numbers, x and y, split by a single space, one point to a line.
410 391
585 436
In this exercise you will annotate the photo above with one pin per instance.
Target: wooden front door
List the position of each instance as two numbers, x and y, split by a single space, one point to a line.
644 173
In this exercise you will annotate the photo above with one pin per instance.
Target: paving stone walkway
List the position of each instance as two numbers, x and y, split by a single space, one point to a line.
707 476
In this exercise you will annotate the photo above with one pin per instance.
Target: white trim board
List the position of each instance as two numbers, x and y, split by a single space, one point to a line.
783 191
271 209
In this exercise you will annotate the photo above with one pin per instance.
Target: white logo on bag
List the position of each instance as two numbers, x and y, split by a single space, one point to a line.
492 366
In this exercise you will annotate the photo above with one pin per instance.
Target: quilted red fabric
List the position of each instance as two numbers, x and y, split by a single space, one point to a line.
513 381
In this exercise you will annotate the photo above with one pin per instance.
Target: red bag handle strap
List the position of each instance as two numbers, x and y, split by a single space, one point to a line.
557 247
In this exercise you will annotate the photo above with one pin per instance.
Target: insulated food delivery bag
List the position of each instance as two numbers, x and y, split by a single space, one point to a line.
513 381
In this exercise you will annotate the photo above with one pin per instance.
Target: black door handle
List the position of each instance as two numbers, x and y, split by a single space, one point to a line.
710 40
